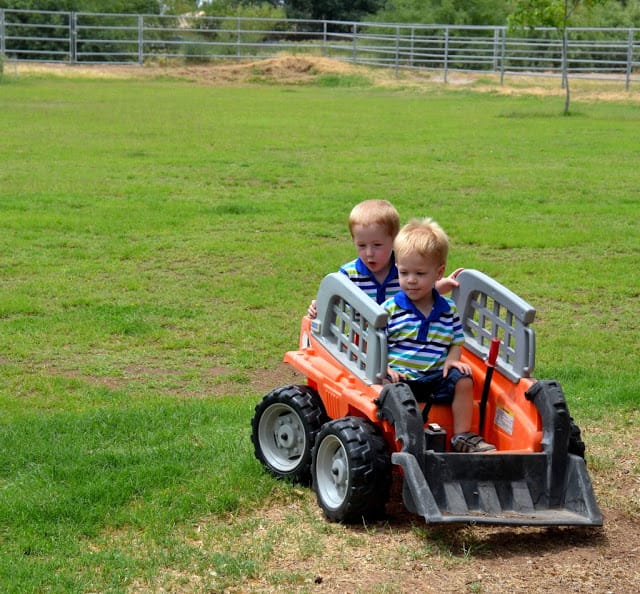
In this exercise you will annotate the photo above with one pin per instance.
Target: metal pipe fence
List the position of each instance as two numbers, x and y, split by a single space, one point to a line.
97 38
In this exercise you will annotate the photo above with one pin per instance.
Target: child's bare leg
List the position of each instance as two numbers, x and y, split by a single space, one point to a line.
465 440
462 406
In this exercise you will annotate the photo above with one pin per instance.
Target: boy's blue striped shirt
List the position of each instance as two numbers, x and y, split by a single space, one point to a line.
416 343
364 279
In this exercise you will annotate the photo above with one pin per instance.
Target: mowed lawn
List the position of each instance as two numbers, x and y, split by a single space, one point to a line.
160 240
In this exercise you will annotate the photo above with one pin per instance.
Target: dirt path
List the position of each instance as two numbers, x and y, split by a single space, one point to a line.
403 555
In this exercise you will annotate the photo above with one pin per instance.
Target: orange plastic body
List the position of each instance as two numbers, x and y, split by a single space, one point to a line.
512 423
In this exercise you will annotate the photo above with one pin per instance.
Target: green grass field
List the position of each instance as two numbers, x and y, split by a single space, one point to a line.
159 241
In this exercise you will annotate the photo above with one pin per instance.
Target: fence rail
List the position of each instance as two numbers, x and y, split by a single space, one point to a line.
92 38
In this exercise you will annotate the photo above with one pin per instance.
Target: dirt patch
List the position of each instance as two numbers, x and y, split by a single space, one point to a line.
282 70
293 70
401 556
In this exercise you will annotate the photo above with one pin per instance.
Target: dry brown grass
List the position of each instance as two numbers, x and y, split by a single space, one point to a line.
292 70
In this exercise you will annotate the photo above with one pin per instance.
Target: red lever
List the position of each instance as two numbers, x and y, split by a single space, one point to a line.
493 352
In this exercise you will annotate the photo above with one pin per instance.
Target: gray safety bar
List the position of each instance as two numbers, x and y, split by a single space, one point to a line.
351 326
490 310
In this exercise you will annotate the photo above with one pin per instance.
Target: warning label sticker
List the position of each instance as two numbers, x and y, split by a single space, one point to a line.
504 420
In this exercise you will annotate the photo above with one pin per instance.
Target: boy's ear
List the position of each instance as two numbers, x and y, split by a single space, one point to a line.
441 271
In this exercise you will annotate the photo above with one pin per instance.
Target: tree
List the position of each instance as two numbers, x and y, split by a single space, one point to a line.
179 6
332 10
103 6
550 13
444 12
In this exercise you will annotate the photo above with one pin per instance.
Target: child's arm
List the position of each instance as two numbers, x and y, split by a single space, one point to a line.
448 283
453 362
394 376
312 312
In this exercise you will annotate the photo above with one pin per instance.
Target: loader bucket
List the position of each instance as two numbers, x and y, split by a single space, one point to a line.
549 487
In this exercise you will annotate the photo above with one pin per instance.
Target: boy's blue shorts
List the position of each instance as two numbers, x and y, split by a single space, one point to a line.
432 387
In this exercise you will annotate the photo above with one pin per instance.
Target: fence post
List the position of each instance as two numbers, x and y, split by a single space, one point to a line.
354 32
140 40
2 42
238 51
629 59
411 53
324 39
73 38
503 53
446 53
397 50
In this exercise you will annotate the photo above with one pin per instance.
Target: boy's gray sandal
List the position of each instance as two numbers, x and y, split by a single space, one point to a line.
470 443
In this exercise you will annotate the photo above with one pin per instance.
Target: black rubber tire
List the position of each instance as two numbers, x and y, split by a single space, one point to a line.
576 445
351 470
283 431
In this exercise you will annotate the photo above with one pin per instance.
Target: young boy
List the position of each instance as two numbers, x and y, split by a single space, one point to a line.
373 225
424 333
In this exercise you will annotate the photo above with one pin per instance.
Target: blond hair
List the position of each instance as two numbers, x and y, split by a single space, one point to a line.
375 212
425 237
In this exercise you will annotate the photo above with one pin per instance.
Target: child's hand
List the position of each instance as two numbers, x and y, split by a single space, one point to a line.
463 368
448 283
312 312
393 376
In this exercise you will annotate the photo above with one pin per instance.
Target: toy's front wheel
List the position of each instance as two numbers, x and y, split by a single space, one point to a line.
284 428
351 470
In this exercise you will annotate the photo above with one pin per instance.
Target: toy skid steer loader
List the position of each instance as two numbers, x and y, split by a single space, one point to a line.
346 430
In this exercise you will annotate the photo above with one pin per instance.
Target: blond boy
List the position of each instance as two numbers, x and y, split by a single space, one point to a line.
373 225
424 333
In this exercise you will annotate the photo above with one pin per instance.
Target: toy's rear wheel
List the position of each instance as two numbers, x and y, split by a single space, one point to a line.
284 427
576 445
351 470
